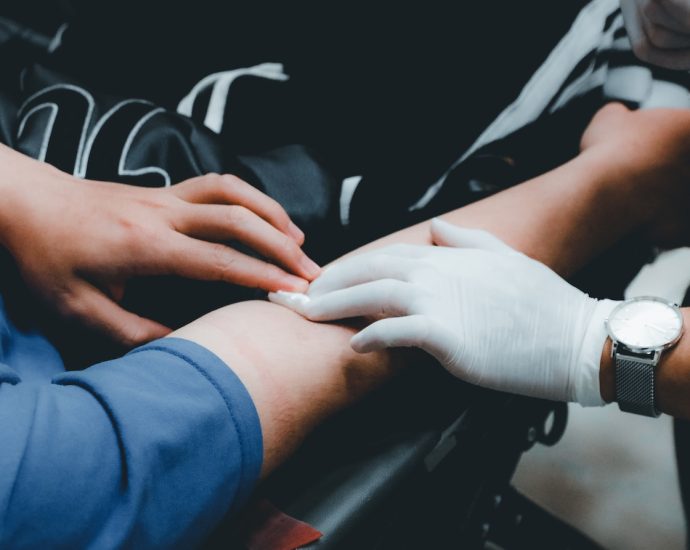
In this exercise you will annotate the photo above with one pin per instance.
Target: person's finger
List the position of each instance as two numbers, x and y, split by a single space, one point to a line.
663 37
94 309
384 263
224 223
382 298
397 332
114 289
194 259
228 189
673 14
447 234
416 331
665 14
632 18
643 47
677 60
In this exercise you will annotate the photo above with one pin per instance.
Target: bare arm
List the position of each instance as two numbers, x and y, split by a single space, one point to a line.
299 372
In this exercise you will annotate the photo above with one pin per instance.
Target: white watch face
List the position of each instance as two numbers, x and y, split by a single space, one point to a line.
645 323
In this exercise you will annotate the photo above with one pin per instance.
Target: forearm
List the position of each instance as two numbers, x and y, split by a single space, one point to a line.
563 218
300 372
297 372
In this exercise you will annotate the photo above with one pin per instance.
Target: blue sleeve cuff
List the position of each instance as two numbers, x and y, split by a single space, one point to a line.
173 422
241 410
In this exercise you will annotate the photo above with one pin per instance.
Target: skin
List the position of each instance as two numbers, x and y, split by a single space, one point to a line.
630 176
78 242
659 31
672 376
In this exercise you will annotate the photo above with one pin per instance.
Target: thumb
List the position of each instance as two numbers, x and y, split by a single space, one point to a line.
447 234
98 312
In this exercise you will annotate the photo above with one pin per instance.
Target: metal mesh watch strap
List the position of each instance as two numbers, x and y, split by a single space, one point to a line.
635 385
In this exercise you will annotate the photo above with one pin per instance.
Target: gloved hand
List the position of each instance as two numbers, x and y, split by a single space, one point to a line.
659 31
490 315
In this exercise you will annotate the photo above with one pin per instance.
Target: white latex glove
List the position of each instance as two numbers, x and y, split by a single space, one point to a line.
490 315
659 31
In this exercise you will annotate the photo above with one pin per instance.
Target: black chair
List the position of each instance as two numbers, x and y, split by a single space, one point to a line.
423 465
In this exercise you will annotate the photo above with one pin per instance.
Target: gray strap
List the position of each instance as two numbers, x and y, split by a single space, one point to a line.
635 386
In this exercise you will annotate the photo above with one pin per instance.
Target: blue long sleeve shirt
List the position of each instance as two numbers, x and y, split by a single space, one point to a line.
149 450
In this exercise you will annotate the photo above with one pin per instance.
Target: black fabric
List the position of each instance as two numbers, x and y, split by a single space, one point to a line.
392 89
395 95
42 17
98 136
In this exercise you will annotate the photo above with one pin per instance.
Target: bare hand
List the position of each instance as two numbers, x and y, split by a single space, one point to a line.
659 31
77 242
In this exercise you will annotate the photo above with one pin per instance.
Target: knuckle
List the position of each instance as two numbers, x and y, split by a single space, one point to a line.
284 250
73 308
156 199
131 335
648 9
378 264
289 247
70 307
138 236
656 36
228 181
390 297
274 208
211 178
641 48
221 260
214 183
421 300
271 275
238 215
206 182
426 271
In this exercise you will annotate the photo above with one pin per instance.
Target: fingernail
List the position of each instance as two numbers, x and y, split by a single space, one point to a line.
296 232
310 267
293 283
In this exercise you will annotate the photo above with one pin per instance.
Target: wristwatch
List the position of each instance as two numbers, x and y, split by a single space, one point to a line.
641 329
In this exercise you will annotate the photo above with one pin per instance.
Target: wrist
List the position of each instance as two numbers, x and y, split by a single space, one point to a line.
589 391
21 185
607 380
672 376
